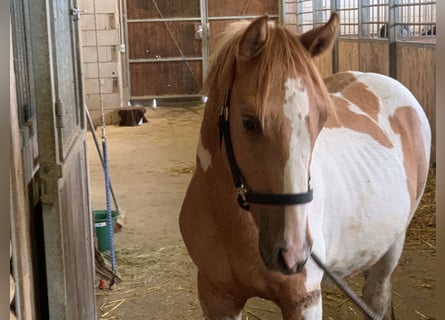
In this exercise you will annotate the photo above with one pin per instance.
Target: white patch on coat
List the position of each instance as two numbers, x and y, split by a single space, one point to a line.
314 276
204 156
314 312
296 109
237 317
358 184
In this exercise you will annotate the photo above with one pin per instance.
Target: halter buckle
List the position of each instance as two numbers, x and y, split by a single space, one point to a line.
241 198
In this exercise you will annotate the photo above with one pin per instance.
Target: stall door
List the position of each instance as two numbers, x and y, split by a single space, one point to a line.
165 48
62 173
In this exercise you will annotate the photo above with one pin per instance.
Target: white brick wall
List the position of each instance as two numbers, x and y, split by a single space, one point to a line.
107 70
106 54
106 37
102 6
103 21
109 56
91 86
110 101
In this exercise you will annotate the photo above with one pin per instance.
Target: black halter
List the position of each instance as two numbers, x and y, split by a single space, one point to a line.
245 197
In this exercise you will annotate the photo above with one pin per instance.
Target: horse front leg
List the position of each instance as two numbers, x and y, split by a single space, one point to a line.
292 311
302 300
216 302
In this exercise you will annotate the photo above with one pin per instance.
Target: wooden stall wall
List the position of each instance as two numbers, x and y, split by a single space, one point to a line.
374 56
416 69
324 64
348 57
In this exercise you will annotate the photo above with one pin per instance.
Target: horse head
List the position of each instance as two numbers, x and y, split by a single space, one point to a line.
276 104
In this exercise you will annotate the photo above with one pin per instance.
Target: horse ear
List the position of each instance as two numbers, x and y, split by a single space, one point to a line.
253 39
320 39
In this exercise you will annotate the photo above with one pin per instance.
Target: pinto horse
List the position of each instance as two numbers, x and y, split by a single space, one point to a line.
298 163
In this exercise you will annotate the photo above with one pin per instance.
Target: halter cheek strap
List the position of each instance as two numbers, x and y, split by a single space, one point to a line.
245 197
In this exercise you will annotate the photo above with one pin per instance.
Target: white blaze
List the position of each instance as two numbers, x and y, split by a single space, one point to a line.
296 109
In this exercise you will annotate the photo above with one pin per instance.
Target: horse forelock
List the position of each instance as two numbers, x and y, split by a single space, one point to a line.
282 57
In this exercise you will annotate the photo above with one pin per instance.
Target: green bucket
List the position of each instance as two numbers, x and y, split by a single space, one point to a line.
101 226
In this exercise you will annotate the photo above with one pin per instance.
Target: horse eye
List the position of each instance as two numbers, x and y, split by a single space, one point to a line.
251 124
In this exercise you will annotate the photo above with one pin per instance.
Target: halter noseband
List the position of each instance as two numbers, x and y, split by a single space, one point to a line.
245 197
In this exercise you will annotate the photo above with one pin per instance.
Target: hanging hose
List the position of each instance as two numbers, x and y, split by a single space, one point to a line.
105 158
109 212
119 210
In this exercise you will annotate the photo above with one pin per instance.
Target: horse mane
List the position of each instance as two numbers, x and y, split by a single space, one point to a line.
282 55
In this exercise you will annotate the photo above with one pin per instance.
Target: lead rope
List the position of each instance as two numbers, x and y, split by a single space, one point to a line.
105 158
346 290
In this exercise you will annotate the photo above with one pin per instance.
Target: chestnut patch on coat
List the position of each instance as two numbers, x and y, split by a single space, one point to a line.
339 81
357 122
406 122
355 91
359 95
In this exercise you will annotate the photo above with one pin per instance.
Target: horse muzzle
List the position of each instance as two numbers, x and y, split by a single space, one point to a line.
291 262
287 260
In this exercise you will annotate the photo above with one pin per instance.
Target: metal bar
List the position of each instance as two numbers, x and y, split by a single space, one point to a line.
409 15
349 39
314 18
299 14
414 4
179 59
127 47
198 19
346 290
401 23
281 12
373 5
392 19
360 21
374 40
240 17
347 9
205 50
416 44
334 7
173 96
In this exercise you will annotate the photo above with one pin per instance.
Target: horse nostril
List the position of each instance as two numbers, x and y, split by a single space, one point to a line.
281 261
288 262
300 266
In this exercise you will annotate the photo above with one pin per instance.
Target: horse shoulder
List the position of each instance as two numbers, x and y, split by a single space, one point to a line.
197 225
206 235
